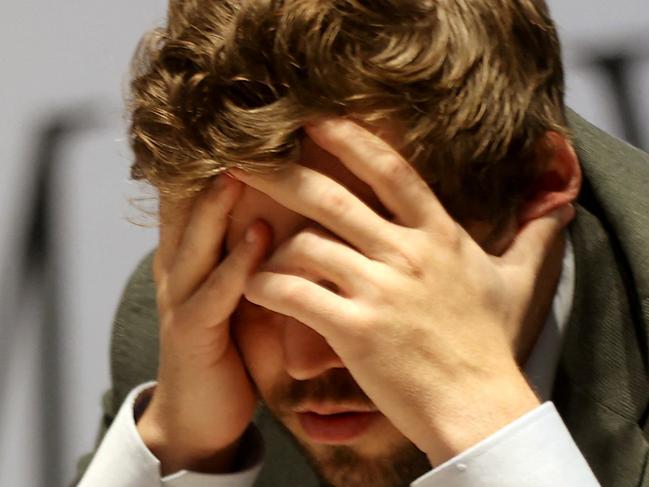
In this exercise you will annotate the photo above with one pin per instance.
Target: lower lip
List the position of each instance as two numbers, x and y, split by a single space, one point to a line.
336 428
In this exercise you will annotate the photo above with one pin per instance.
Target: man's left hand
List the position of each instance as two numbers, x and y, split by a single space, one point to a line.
423 318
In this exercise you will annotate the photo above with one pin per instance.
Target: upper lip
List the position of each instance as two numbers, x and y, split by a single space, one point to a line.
325 409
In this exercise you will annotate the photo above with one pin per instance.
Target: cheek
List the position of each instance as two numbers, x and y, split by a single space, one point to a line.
259 341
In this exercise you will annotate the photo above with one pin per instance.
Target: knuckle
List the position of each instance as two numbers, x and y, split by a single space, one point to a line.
170 321
453 238
303 243
216 281
394 170
445 233
291 291
412 264
410 257
234 268
163 297
335 202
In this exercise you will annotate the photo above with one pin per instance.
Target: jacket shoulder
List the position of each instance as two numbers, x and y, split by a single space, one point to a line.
616 189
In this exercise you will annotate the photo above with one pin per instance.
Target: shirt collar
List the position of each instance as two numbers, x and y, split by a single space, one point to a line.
541 366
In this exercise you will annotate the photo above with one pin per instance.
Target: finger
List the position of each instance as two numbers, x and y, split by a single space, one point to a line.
220 293
323 200
200 246
319 257
534 241
396 183
299 298
174 215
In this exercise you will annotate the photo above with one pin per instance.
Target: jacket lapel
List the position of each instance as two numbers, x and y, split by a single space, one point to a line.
602 385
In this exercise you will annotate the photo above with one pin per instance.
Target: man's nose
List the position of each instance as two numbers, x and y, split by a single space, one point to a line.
306 353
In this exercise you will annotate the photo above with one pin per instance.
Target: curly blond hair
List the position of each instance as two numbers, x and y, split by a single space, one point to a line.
474 84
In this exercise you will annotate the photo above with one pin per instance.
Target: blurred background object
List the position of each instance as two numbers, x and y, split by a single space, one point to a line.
66 244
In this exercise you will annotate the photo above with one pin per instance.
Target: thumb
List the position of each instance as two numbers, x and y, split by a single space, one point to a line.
534 240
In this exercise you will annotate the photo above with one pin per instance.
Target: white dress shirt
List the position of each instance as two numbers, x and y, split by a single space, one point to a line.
535 450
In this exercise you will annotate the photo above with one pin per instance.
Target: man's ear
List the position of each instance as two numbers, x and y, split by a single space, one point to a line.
557 185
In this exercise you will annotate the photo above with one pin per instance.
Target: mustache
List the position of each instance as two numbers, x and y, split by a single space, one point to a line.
333 386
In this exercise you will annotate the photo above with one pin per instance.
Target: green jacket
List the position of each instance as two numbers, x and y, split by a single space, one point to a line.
602 383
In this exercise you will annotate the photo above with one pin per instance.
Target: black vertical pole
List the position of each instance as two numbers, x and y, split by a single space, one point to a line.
616 68
37 269
41 274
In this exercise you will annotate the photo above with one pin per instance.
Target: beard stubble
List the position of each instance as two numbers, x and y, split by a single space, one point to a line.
398 464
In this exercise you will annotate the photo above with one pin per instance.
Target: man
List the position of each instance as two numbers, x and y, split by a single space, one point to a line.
398 176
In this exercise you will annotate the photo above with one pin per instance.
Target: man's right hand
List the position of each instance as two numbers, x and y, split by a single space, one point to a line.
204 400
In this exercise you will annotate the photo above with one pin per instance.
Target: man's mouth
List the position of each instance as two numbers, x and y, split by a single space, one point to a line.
336 428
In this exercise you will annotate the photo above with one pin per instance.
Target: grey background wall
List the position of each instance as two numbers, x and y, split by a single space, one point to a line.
63 68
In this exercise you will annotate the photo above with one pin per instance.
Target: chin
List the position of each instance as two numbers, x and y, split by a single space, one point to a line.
379 457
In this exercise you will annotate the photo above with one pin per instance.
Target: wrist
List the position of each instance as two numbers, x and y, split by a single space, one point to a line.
176 451
480 412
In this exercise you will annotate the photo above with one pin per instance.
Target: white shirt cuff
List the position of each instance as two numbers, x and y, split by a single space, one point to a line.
536 450
123 460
